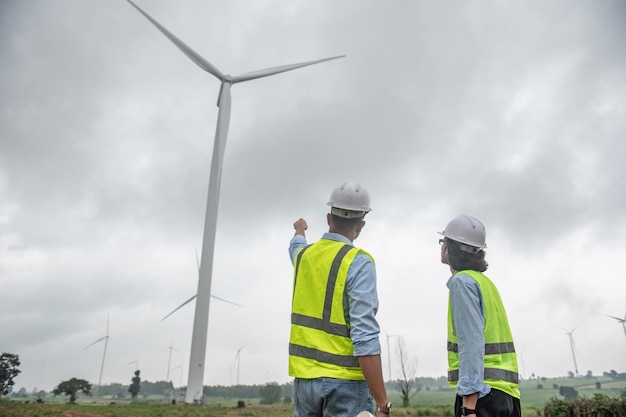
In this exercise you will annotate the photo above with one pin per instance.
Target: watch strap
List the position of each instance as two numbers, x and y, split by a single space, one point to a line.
384 408
467 411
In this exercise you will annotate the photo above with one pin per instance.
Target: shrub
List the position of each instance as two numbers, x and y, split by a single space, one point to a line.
569 393
558 408
598 406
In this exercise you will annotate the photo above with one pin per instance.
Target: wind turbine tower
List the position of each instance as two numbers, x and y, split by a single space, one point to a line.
573 347
194 392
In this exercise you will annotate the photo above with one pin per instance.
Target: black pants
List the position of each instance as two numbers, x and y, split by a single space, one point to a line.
494 404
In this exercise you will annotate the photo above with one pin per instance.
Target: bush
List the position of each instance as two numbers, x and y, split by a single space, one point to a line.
569 393
270 393
598 406
558 408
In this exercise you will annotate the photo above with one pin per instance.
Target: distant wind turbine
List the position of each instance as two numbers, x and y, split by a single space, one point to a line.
238 361
521 357
201 318
389 352
104 354
573 347
169 362
623 321
180 382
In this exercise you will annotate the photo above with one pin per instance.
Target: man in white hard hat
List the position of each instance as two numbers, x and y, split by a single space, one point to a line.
482 364
334 347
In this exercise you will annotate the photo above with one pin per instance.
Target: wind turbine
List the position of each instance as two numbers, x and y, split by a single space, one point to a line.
389 351
238 361
573 347
623 321
521 357
194 296
180 383
104 354
169 362
201 318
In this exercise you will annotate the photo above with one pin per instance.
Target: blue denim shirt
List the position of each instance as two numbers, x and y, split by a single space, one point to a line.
468 315
361 299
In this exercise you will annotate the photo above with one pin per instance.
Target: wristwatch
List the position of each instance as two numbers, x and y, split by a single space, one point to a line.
467 411
384 408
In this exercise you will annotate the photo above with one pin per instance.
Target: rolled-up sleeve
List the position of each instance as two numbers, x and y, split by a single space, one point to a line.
297 242
362 299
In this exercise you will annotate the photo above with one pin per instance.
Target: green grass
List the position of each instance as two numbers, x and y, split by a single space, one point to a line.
425 403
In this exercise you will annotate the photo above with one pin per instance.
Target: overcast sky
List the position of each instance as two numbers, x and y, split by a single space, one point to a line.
512 112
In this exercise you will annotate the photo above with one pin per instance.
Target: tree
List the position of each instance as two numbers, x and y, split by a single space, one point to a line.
8 370
72 387
270 393
135 386
569 393
408 368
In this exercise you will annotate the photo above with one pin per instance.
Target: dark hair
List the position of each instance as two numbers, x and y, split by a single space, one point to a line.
460 260
343 224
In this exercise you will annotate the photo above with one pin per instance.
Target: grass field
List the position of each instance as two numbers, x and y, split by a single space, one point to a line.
426 403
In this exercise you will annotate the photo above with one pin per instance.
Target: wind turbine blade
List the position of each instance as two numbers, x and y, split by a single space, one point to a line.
616 318
276 70
179 307
226 301
191 54
102 338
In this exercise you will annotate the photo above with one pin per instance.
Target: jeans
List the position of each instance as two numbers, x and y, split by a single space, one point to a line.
495 404
330 397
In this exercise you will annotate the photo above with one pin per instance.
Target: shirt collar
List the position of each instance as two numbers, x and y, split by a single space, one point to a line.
336 237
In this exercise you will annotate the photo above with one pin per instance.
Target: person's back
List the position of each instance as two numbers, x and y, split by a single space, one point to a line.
334 349
482 365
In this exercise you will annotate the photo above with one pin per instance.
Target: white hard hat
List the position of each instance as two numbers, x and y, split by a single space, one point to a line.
468 230
349 200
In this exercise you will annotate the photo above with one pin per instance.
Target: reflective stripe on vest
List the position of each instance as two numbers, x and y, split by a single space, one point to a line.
320 356
500 361
490 348
320 343
490 373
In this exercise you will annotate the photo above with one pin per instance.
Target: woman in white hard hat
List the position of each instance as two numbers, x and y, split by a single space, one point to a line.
482 364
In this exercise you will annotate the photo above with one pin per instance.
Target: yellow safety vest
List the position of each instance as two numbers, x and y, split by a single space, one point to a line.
500 369
320 343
